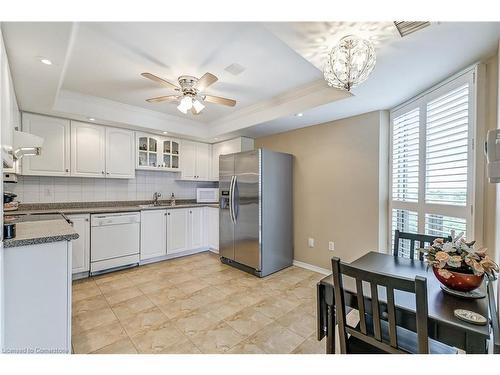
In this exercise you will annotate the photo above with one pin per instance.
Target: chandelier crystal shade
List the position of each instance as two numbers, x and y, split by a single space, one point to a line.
349 63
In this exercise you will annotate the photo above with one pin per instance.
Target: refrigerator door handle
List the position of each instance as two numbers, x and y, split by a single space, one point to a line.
235 208
231 191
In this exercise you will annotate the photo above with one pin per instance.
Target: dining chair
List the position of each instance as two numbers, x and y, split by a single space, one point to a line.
374 334
494 318
422 239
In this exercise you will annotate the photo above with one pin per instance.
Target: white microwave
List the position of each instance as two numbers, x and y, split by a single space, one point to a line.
207 195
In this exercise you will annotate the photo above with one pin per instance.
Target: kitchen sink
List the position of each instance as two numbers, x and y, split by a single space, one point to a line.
154 205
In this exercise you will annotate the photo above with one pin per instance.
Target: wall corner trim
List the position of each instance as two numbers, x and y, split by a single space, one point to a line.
311 267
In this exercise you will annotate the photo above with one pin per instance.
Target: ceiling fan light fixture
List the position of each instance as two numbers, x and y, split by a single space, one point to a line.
190 92
186 104
198 106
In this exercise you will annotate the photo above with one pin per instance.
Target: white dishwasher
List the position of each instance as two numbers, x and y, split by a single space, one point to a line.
114 241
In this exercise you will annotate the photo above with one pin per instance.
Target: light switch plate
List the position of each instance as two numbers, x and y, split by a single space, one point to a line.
331 246
310 242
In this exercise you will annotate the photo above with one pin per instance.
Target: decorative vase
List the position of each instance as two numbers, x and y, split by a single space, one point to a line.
463 282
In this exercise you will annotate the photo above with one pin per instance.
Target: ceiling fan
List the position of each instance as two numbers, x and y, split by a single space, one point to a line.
191 92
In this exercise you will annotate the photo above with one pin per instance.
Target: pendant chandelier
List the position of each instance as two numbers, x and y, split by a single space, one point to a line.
349 63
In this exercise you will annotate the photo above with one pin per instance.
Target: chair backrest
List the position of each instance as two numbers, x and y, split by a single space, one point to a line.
418 286
422 239
494 318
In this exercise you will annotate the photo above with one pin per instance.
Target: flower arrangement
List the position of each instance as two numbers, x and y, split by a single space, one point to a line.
458 255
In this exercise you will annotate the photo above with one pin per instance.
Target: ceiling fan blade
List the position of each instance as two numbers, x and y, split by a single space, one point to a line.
219 100
159 80
206 80
167 98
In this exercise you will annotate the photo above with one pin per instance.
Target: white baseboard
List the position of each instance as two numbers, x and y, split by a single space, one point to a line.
311 267
172 256
215 251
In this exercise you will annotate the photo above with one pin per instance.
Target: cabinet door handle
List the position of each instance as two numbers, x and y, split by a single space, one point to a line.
107 172
168 214
102 172
67 170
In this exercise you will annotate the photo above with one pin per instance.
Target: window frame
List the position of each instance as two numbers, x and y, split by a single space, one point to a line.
421 207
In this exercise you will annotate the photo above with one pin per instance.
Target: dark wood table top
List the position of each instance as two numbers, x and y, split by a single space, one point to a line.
441 305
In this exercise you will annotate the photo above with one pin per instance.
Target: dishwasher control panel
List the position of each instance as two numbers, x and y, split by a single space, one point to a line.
99 220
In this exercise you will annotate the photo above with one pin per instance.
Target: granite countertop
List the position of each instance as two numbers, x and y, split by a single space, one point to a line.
53 229
102 207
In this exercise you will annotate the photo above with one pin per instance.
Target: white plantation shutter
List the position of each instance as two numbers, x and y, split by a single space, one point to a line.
447 133
405 153
432 160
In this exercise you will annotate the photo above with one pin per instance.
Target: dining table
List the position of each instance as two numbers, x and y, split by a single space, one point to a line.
443 325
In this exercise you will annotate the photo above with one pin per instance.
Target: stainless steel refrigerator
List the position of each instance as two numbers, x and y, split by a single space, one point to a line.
256 213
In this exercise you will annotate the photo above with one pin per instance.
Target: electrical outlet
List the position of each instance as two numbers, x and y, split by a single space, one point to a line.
310 242
331 246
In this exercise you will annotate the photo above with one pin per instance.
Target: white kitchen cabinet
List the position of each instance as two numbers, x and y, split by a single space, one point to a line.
81 246
54 159
37 298
211 223
120 156
188 160
196 160
100 151
196 228
228 147
88 150
203 160
157 153
154 234
178 223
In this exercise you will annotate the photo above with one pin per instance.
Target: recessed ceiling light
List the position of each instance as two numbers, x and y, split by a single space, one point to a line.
91 119
320 39
215 139
299 114
165 132
45 61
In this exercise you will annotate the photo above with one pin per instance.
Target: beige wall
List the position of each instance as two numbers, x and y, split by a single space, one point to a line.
339 192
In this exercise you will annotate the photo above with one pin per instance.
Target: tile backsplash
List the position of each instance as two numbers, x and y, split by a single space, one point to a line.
33 189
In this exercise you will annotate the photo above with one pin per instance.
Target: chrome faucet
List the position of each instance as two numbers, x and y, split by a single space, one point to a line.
156 195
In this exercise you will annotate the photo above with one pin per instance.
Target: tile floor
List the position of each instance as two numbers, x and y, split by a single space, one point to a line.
196 304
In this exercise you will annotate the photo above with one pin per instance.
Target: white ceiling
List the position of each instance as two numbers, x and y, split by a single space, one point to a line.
107 59
97 66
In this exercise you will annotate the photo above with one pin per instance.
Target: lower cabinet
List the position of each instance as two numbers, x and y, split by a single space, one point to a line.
176 230
37 298
178 222
212 227
196 228
186 229
153 234
81 246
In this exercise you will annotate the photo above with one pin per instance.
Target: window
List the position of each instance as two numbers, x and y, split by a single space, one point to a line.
432 160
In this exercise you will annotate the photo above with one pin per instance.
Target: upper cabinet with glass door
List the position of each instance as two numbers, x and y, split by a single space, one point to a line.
170 154
157 153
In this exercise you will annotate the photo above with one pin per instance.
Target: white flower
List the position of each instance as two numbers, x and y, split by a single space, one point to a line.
455 261
447 247
465 247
